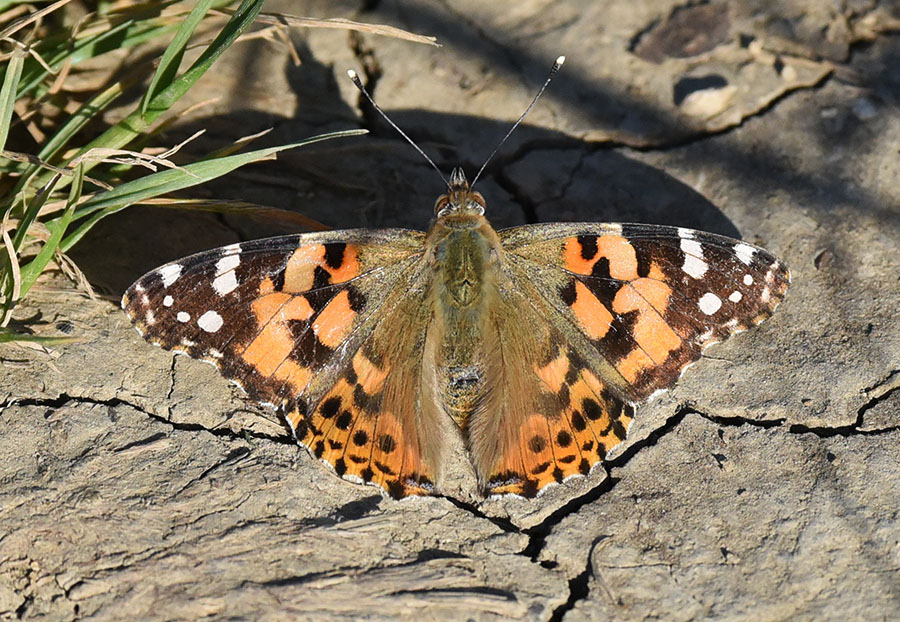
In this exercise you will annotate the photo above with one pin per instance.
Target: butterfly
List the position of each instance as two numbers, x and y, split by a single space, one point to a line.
535 343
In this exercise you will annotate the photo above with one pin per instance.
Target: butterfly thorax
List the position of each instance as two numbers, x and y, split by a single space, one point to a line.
465 252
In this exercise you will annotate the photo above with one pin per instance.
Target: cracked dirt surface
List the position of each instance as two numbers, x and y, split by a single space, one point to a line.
764 486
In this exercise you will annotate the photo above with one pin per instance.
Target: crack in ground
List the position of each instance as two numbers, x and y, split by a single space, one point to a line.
578 585
523 199
879 392
578 590
503 523
887 385
64 399
171 385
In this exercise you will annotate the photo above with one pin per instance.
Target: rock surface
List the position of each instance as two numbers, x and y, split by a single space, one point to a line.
764 486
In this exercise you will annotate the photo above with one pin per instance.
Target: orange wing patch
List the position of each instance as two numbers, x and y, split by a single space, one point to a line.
273 343
592 315
320 264
583 423
335 321
655 338
581 255
349 430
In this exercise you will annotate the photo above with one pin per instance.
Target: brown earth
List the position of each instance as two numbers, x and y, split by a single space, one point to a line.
764 486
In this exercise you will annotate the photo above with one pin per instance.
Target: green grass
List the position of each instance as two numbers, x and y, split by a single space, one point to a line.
52 197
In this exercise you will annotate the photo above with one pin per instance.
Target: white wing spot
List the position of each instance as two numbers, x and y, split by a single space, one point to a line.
735 296
226 280
228 262
225 283
710 303
182 317
210 321
748 280
766 294
694 265
169 274
187 343
216 354
150 318
231 249
685 234
168 301
744 252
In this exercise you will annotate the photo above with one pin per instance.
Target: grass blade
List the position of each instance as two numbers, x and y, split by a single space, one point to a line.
8 91
136 123
170 180
7 336
30 212
171 58
32 271
243 17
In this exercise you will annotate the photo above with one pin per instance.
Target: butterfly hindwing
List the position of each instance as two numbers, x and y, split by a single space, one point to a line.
374 424
549 416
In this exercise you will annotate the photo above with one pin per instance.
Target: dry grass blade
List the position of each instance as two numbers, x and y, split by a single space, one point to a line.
14 273
27 158
176 148
131 158
239 144
71 270
32 17
344 24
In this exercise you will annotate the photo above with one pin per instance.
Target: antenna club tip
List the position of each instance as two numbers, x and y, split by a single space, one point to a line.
560 60
352 74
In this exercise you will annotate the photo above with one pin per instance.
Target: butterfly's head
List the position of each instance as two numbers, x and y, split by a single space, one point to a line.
460 198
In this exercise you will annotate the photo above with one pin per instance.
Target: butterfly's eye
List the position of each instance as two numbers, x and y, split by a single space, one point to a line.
476 202
442 202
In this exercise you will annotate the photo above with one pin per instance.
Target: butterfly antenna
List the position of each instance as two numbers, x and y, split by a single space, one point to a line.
556 65
355 78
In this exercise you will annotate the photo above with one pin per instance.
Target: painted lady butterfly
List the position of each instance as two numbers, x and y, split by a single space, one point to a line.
536 341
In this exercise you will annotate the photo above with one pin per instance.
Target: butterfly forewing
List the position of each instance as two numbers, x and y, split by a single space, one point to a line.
648 297
286 318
